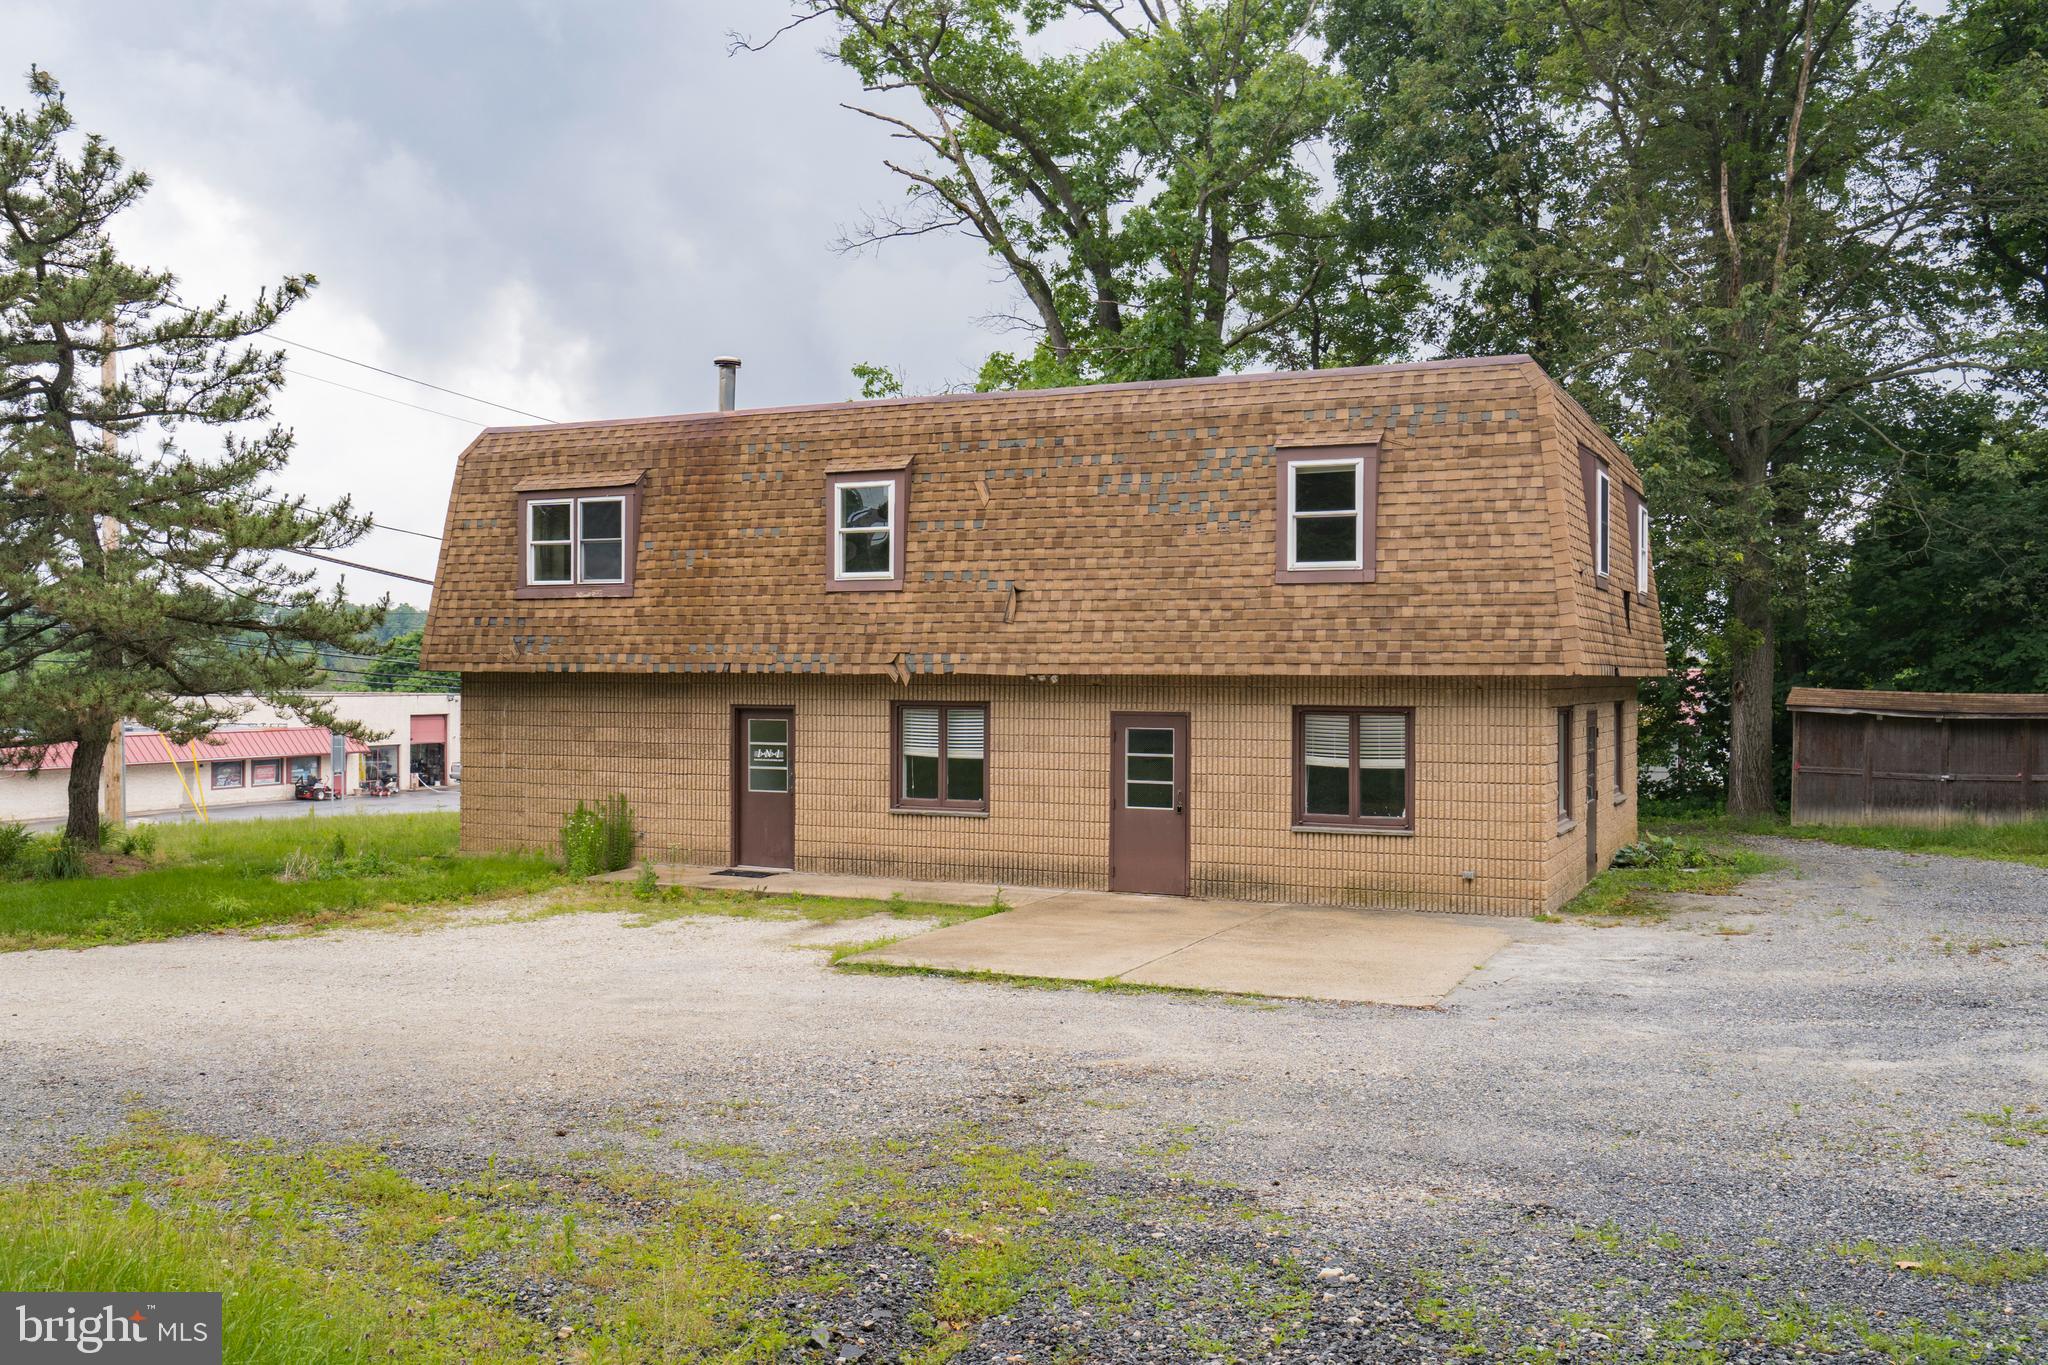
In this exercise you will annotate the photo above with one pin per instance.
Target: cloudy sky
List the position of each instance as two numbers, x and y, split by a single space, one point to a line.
565 208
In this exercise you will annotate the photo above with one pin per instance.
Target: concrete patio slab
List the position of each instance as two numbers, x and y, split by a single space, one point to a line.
1381 957
1078 935
1363 956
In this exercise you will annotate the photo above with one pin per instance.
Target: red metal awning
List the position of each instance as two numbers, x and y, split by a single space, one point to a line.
282 741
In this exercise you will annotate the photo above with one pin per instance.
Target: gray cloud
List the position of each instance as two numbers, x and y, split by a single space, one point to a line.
568 208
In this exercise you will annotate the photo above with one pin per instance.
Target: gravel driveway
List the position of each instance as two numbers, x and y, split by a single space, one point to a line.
1599 1118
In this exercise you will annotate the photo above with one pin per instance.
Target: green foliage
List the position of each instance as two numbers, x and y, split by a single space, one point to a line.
1144 179
1646 872
233 875
63 859
599 839
398 669
648 884
15 842
877 381
139 578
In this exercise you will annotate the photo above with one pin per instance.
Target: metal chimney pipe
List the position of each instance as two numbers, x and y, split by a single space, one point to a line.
728 382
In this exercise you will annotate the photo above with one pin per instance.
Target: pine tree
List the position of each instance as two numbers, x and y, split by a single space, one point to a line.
138 582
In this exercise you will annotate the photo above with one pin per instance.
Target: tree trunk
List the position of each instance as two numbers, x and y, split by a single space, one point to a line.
82 819
1752 661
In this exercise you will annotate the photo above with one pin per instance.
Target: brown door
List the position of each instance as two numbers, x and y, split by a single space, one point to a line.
764 788
1148 802
1593 793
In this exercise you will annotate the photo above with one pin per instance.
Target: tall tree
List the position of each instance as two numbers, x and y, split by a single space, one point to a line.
1147 192
1749 237
137 583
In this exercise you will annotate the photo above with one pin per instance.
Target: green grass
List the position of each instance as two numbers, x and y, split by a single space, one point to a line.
684 902
1702 866
334 1254
2020 842
1978 1267
248 873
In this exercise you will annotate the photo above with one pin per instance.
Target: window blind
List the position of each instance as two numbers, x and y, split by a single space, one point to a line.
1326 740
1382 742
921 731
966 732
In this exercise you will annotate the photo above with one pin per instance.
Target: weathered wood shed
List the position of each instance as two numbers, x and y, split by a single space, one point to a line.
1917 757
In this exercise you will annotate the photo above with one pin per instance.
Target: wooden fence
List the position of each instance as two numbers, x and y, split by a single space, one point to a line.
1917 758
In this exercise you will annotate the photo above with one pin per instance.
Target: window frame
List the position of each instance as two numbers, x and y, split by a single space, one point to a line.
1304 820
1641 532
1365 456
238 766
898 481
901 804
1566 741
1620 750
1603 525
1594 472
275 765
577 585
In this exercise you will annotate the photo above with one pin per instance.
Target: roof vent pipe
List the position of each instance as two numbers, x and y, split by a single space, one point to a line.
728 382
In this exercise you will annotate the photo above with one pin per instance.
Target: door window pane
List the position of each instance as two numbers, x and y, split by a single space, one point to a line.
1148 741
767 755
1148 795
1148 769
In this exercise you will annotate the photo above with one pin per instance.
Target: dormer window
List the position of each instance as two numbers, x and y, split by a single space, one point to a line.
866 523
1327 512
577 542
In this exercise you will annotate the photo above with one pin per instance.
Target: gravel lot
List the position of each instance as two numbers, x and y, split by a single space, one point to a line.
1598 1122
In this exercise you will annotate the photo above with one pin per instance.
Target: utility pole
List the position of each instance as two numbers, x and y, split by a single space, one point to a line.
114 769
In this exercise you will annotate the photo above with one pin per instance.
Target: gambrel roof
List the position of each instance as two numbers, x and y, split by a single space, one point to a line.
1117 529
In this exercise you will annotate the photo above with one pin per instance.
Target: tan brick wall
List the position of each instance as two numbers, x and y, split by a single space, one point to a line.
1565 855
1484 781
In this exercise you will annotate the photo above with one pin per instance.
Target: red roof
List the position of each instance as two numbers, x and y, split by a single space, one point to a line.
282 741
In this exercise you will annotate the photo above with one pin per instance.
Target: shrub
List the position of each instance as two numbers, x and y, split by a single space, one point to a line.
599 840
14 846
648 885
1655 850
63 860
139 842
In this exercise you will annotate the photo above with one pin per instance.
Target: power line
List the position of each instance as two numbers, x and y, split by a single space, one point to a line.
379 525
366 568
385 397
364 364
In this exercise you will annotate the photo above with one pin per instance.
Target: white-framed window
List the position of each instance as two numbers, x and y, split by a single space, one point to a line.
1603 522
864 525
1326 514
1642 549
576 540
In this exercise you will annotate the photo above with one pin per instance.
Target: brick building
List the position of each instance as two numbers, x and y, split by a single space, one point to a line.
1363 636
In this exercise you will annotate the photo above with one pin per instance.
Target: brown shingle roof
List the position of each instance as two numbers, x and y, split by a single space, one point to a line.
1135 523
